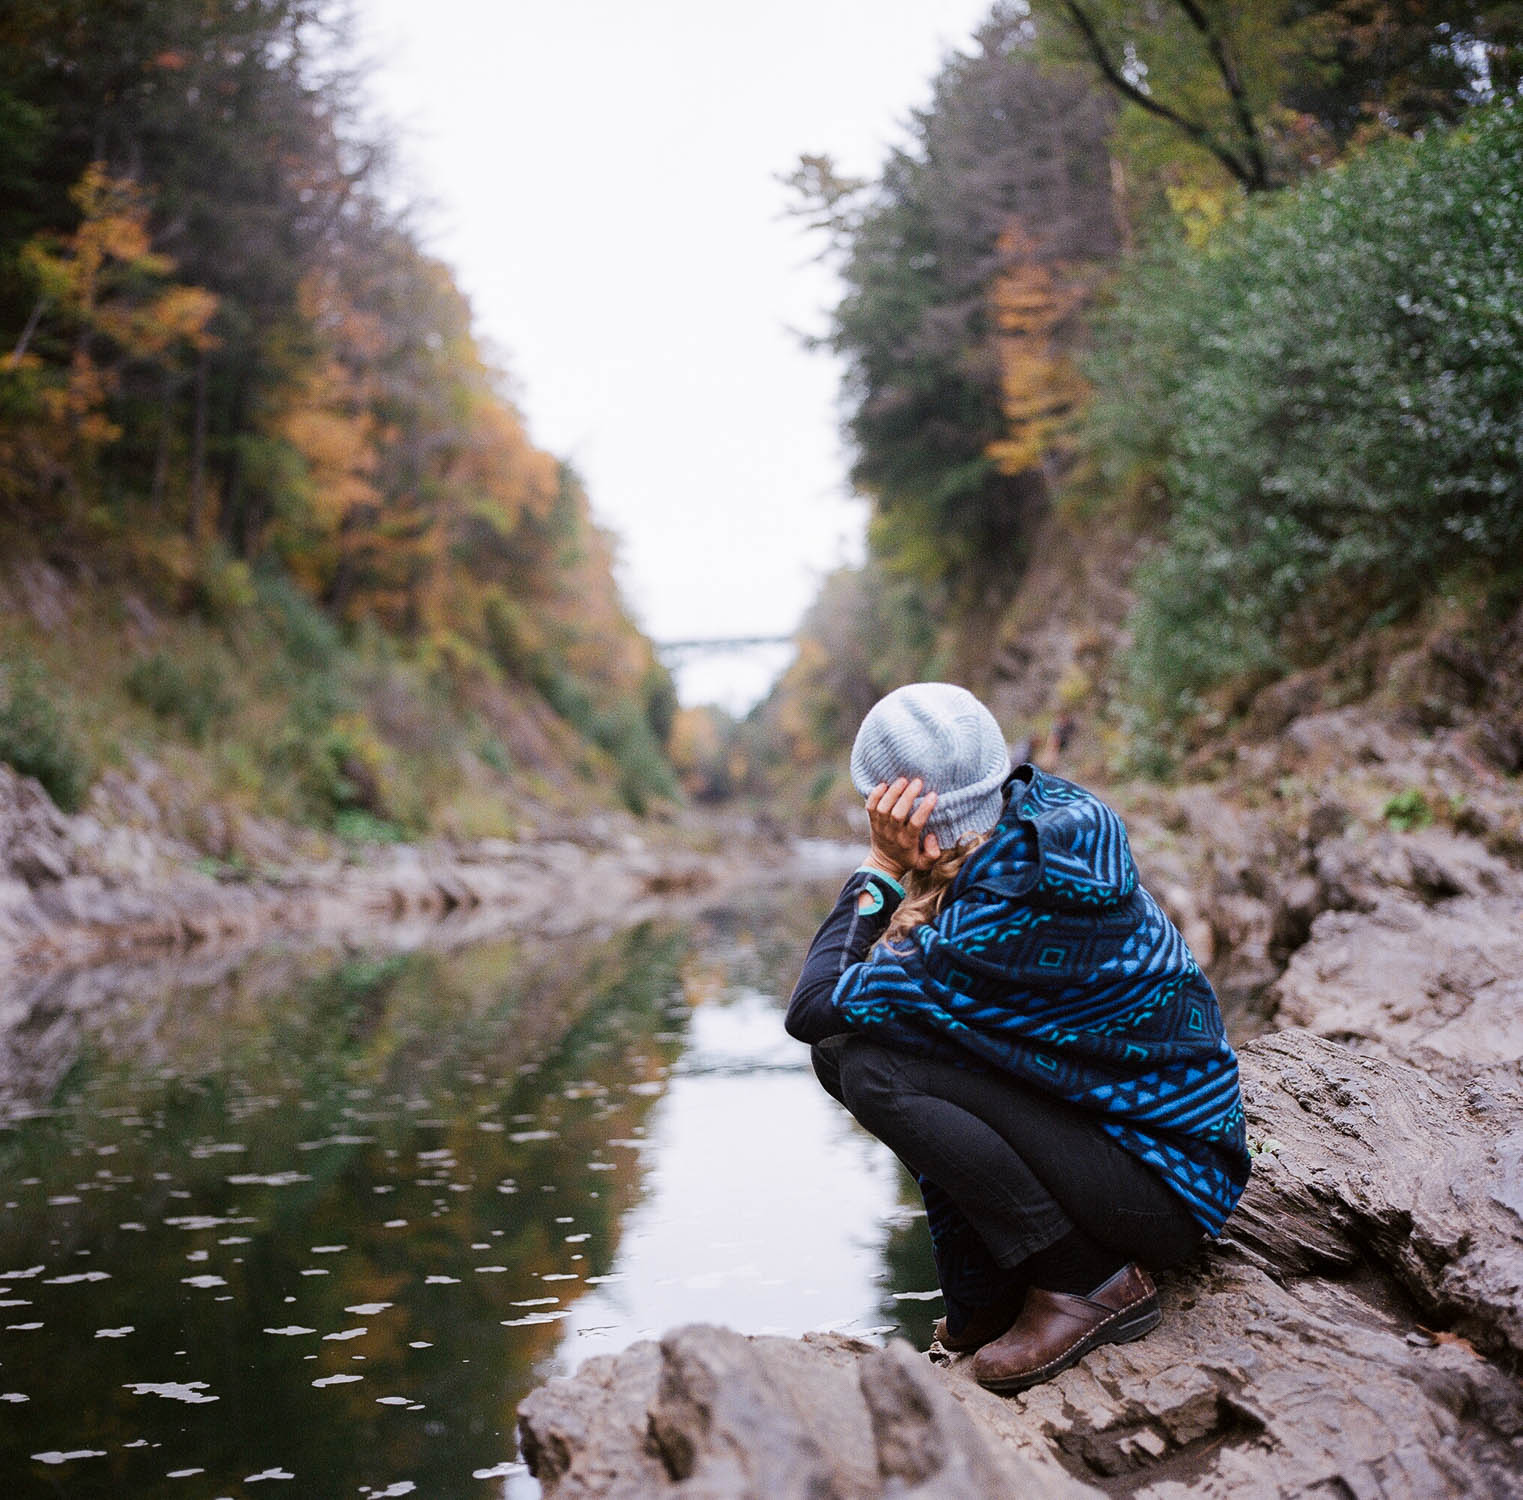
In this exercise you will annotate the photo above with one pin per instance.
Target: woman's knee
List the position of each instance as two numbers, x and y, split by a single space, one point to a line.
826 1058
869 1077
1159 1241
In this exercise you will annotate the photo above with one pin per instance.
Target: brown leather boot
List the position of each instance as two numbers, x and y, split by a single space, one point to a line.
1057 1329
984 1324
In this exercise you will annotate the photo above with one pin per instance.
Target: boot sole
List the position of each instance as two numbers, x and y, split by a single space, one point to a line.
1134 1323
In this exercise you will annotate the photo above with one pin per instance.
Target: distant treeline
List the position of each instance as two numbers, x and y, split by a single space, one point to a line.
227 364
1241 278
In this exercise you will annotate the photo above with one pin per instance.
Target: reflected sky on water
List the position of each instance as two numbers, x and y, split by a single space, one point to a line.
317 1224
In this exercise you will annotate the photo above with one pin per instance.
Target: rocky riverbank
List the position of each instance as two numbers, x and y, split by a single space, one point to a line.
84 890
1356 895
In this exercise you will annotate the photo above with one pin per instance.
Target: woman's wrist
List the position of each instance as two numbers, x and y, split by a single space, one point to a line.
875 865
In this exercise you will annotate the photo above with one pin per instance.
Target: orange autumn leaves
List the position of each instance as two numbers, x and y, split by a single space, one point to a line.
102 294
1037 306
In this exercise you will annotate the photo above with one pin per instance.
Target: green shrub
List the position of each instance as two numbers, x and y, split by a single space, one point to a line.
221 586
493 753
310 638
621 728
661 705
1332 396
512 639
167 689
1408 810
821 787
35 740
356 826
340 768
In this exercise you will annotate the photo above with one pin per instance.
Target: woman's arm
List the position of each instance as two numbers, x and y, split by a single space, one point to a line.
898 843
855 923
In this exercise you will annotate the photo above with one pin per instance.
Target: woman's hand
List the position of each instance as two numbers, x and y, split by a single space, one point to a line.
899 840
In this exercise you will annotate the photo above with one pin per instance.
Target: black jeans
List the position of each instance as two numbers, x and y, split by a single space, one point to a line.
1021 1168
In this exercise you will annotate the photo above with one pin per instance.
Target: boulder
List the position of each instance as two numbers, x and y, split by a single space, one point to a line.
711 1413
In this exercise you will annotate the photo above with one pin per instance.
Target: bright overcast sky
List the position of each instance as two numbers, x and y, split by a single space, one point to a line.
603 179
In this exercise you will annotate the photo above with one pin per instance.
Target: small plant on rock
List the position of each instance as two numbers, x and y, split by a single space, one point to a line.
1408 810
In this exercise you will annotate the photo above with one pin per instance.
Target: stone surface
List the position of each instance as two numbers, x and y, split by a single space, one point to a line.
1368 1165
712 1413
1420 958
1253 1388
1351 1336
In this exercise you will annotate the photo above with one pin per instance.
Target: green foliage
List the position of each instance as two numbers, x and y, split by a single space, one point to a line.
356 826
822 786
195 698
660 693
35 739
1251 93
504 625
1331 394
222 586
310 638
494 754
620 728
1408 810
1205 75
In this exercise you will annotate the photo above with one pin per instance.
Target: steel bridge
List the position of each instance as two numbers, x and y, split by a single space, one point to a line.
714 644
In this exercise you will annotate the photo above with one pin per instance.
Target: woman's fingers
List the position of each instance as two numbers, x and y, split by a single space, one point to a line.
905 803
898 823
895 801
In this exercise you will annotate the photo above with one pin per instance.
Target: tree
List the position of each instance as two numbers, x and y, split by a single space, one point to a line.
1008 163
222 108
103 305
1268 89
1209 69
1037 305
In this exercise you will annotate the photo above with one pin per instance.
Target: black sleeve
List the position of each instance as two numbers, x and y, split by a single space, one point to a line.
843 939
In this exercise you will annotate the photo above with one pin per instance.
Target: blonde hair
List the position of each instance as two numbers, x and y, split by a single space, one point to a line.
926 890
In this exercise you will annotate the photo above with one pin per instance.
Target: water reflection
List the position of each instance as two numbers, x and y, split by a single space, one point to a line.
334 1224
763 1208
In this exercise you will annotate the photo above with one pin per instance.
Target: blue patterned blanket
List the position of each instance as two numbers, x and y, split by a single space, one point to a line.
1051 962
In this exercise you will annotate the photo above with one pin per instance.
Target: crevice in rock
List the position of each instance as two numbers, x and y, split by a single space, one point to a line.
1121 1459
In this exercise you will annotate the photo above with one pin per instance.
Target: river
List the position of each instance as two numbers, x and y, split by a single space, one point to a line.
316 1222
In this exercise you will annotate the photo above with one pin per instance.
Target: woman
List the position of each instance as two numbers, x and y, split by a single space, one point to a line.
998 999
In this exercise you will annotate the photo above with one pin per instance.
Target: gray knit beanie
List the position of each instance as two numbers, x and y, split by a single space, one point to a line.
944 735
